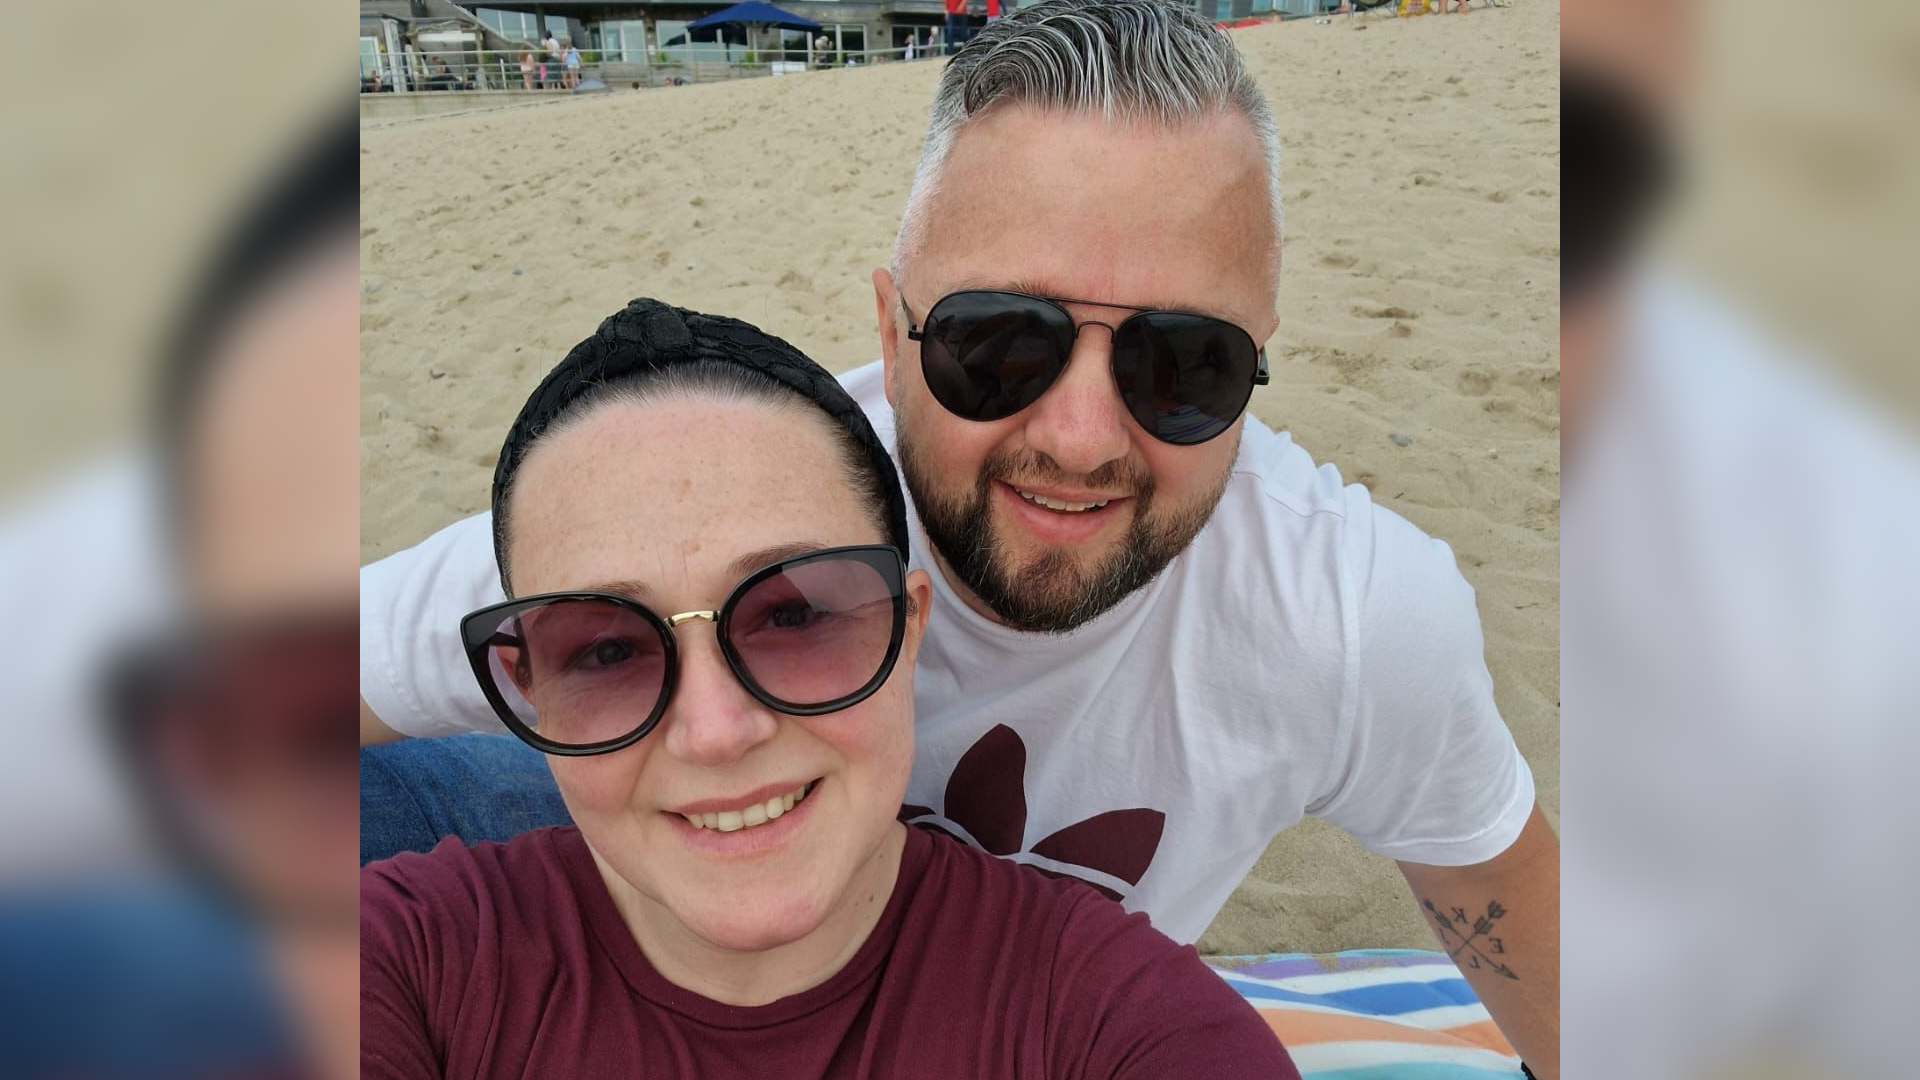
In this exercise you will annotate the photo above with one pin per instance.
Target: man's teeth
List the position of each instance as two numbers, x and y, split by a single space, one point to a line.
1060 504
748 817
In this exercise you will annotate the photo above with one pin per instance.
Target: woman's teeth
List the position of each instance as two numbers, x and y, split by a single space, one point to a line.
1059 504
749 816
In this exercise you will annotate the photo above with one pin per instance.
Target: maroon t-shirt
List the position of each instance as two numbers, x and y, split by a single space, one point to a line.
510 960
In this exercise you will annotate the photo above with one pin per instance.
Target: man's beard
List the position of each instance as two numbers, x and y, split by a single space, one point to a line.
1052 594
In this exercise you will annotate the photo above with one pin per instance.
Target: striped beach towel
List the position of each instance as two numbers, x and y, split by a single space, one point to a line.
1374 1014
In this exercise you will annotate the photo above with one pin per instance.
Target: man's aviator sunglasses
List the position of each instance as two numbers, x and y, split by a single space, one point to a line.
577 673
988 354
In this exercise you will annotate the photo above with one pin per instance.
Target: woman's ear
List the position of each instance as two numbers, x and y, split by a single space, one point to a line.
919 599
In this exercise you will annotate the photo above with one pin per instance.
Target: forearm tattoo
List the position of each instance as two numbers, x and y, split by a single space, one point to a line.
1470 940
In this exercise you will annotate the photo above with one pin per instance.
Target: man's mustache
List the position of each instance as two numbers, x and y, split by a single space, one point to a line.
1120 478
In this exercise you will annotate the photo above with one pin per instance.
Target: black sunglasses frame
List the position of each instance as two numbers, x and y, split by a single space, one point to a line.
1260 377
135 685
478 633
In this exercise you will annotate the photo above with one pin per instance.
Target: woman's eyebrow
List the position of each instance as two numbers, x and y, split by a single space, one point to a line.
754 560
632 590
738 568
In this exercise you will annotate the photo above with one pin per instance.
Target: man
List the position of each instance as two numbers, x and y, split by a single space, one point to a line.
1740 598
1161 634
957 29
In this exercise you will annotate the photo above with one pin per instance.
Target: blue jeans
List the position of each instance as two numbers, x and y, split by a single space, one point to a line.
477 787
958 31
134 980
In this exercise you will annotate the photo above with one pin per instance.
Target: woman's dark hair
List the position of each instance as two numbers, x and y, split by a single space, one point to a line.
310 203
649 352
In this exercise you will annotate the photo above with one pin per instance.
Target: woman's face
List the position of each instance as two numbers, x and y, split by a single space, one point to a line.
670 503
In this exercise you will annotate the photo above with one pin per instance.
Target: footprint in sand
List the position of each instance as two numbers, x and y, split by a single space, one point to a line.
1391 312
1475 383
1338 261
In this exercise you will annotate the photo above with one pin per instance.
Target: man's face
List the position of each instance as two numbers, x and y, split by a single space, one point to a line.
1075 206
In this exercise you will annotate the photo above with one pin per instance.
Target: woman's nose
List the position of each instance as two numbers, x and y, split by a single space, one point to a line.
712 720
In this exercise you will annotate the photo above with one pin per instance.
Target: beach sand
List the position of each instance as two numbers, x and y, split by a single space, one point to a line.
1419 299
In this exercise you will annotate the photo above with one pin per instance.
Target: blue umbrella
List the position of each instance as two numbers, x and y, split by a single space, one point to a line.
756 12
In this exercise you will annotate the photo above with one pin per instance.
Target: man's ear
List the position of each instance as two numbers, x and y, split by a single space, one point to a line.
886 300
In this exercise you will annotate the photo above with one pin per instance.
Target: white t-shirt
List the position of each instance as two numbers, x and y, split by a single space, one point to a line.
83 573
1309 653
1741 598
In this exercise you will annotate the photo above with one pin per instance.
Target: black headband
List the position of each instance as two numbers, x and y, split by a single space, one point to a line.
648 335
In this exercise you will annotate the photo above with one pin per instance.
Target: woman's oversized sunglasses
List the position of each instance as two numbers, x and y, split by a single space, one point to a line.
1185 378
577 673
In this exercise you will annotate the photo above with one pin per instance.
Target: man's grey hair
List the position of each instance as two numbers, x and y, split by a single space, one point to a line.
1124 60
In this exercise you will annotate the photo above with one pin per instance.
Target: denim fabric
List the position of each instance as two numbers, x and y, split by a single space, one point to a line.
478 787
134 980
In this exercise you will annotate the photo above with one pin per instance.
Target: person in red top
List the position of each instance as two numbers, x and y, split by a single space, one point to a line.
957 28
711 631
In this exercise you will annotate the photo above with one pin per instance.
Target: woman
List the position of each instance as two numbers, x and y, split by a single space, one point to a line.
712 635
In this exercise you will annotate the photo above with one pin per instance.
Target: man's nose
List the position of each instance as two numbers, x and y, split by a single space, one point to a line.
1080 421
712 721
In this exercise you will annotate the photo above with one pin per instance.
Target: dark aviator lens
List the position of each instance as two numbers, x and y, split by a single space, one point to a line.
988 355
1185 378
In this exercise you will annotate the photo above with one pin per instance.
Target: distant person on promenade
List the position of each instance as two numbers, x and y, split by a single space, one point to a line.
573 66
956 25
552 45
526 70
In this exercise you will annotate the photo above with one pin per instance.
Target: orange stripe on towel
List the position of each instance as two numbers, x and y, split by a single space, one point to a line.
1299 1028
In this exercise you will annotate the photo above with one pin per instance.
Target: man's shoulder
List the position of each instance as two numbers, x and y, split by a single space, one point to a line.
1295 504
1285 477
1298 527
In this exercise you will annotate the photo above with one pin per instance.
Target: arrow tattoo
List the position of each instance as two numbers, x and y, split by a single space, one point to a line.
1471 940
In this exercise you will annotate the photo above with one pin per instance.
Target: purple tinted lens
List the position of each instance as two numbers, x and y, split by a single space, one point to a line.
816 632
579 671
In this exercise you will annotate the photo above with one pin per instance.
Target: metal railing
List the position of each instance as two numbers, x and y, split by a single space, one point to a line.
476 70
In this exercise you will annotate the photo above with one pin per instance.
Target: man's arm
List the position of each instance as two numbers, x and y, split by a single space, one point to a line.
414 674
373 729
1500 921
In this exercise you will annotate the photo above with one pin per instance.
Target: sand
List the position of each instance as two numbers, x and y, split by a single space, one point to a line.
1419 299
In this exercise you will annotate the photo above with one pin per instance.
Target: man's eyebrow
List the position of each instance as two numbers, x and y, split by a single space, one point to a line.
1035 287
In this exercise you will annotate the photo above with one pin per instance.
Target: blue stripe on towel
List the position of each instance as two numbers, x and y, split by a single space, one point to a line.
1388 999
